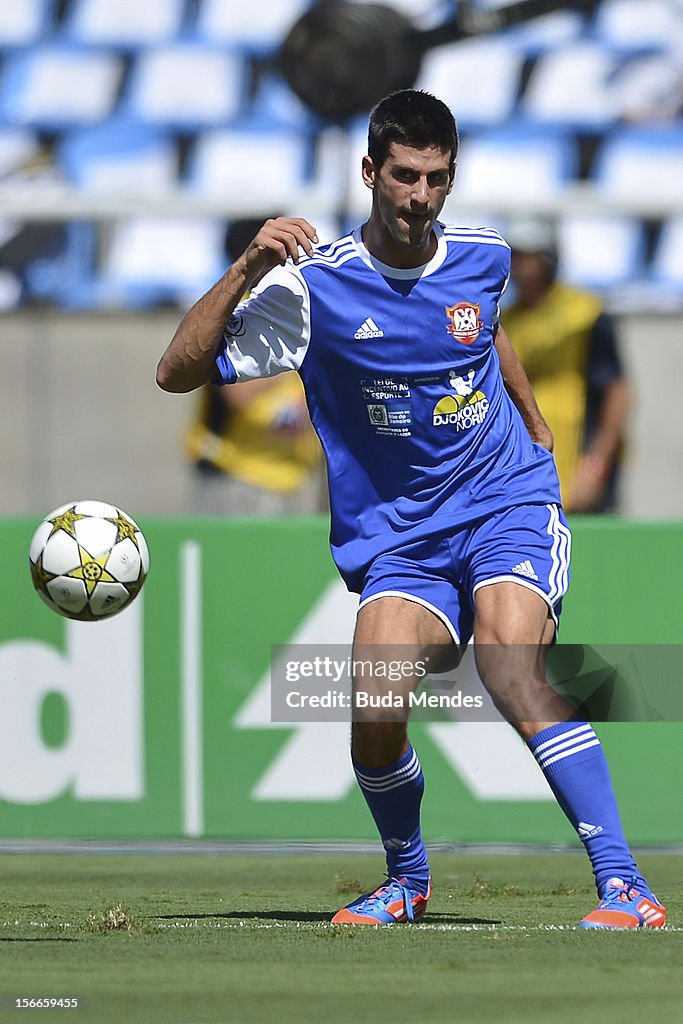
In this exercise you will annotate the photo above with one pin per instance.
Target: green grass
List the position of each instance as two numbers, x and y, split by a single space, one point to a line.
237 940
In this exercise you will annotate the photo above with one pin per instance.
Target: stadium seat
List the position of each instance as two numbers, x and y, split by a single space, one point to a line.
571 87
515 163
478 100
632 25
119 156
637 161
152 260
558 28
185 86
124 23
257 23
667 263
56 87
602 252
266 167
17 147
26 22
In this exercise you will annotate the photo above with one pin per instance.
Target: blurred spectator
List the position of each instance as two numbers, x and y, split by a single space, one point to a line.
253 449
568 346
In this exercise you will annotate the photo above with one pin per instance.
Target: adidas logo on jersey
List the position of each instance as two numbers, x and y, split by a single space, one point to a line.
525 569
587 831
368 329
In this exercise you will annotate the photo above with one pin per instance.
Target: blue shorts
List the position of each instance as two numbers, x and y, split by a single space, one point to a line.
528 544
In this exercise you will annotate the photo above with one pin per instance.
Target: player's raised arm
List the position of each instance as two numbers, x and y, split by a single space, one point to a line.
188 362
518 387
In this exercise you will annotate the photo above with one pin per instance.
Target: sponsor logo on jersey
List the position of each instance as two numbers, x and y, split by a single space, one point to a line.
378 415
465 324
368 329
461 411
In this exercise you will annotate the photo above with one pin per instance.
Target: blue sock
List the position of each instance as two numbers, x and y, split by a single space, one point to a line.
394 794
573 762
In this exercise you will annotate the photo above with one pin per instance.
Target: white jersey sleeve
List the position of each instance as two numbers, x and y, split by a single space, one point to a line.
269 331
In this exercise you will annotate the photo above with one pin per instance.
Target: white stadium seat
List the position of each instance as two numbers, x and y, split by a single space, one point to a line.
125 23
514 164
256 22
185 86
24 22
572 86
634 162
120 157
478 79
631 25
600 251
56 87
263 166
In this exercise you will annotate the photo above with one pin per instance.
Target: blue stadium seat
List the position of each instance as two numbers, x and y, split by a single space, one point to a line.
254 165
185 86
57 87
25 22
123 23
119 156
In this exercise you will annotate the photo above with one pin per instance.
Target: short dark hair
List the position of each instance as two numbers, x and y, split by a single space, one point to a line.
413 118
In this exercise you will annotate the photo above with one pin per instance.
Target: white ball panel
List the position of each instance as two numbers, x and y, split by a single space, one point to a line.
38 541
61 553
68 594
108 598
144 552
96 508
95 535
124 561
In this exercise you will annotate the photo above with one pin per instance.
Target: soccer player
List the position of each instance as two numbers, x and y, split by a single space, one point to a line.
445 504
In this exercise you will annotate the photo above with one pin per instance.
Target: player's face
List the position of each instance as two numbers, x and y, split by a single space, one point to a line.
409 190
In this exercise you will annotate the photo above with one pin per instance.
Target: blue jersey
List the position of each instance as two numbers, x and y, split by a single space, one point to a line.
403 385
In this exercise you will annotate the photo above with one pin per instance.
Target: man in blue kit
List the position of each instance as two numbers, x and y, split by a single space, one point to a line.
445 504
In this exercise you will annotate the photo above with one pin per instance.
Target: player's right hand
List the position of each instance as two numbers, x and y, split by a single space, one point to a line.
280 239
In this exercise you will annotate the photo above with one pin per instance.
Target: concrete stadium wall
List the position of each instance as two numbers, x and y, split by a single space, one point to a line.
81 416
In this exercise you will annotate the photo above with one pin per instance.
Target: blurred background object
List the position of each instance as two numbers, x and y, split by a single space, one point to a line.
568 346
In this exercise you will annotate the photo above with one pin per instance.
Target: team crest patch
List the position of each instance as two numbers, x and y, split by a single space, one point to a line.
465 324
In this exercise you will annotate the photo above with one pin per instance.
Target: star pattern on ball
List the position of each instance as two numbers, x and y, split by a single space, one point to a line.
92 570
66 521
124 528
39 575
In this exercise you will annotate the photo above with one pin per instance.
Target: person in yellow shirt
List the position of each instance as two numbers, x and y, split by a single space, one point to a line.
568 347
253 450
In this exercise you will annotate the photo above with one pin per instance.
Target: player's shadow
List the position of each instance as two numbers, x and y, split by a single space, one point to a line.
41 938
298 915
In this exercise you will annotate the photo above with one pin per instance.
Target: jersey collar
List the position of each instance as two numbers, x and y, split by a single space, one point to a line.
407 273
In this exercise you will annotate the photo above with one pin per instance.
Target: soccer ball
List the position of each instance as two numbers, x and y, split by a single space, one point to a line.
88 560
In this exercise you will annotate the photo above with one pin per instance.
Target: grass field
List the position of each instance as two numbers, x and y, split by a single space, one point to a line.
246 940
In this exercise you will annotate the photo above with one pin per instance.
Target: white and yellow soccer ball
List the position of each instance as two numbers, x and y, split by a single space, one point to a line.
88 560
